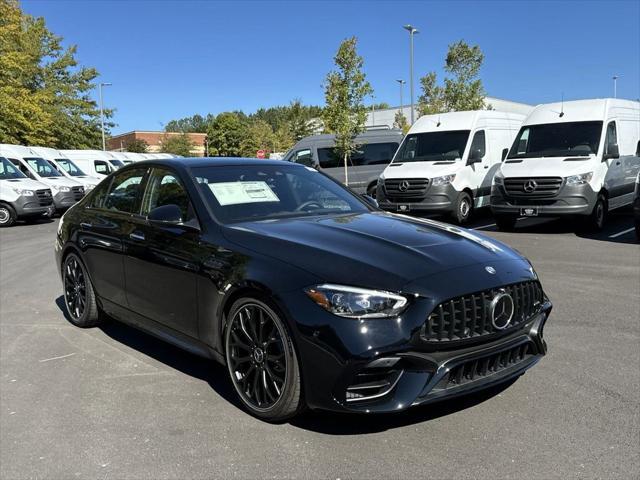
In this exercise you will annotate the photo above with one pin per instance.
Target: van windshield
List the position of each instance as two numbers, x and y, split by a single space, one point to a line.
8 171
433 146
42 167
570 139
70 167
116 163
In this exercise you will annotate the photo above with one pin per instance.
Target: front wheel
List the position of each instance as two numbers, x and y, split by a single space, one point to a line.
7 216
262 361
463 207
595 221
79 297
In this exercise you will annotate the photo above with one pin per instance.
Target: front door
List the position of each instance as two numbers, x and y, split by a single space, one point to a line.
162 262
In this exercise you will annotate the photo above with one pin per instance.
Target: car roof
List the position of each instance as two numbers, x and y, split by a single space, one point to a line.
209 162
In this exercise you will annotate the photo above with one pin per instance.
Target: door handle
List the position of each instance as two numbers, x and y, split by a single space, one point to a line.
137 236
617 163
85 225
486 166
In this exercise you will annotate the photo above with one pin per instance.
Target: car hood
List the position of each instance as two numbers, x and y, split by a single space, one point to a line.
422 169
26 183
547 166
376 250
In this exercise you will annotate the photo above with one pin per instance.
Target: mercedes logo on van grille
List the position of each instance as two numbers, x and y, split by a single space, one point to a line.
501 310
530 186
404 186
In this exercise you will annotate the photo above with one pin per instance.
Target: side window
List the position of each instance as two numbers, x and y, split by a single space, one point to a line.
612 136
125 191
98 195
375 154
164 188
303 157
521 147
329 158
102 167
479 143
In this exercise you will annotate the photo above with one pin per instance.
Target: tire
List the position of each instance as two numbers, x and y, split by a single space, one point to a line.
79 296
372 190
638 230
262 361
505 222
7 215
462 209
595 221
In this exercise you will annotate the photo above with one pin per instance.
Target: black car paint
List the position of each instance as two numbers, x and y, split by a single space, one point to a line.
178 283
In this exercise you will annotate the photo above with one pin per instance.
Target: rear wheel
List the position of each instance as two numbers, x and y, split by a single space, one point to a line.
505 222
462 208
79 297
7 215
595 221
262 361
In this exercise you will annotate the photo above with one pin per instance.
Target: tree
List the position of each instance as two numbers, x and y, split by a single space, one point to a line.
44 95
345 89
194 124
225 135
178 144
401 122
380 106
462 90
258 136
137 145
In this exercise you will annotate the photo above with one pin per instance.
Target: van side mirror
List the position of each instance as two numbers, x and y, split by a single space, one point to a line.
638 149
370 200
612 152
505 152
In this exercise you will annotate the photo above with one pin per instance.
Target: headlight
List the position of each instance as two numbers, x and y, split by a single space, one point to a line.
26 193
579 179
444 180
498 178
353 302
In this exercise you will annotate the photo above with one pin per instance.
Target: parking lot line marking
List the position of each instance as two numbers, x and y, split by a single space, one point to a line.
619 234
57 358
485 226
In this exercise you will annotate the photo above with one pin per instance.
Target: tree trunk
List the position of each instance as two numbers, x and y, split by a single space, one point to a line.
346 171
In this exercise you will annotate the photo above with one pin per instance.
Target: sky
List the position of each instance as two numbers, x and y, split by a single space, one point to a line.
169 59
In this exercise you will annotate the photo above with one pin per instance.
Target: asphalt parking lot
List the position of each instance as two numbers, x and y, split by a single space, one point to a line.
114 403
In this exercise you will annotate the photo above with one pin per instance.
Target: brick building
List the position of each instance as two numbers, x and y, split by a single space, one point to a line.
154 139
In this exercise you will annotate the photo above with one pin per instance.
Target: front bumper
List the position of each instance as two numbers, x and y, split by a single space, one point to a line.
339 356
64 200
570 200
436 199
32 206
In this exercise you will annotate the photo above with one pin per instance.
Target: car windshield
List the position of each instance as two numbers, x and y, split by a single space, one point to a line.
116 163
42 167
264 192
70 167
570 139
8 171
433 146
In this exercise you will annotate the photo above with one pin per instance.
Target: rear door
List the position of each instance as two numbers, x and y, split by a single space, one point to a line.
162 262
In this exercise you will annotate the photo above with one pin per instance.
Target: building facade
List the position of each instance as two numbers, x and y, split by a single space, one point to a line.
119 143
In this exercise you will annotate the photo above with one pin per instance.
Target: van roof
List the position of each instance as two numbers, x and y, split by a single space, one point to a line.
578 110
465 120
363 135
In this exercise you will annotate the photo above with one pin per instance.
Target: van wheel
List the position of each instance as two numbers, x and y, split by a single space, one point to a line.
371 191
79 297
506 223
595 221
462 208
7 215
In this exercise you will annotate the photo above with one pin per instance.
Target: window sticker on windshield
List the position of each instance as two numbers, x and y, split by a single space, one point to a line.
235 193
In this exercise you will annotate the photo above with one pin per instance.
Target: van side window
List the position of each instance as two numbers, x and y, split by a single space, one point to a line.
302 157
102 167
374 154
478 143
329 158
612 136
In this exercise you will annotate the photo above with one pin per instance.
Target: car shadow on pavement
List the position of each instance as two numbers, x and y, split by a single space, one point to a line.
332 423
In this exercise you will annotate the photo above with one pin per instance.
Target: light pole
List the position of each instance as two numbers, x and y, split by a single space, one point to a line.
401 82
373 110
615 86
104 146
412 31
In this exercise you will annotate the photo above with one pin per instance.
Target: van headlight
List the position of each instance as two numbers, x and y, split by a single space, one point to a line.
579 179
353 302
444 180
60 188
26 193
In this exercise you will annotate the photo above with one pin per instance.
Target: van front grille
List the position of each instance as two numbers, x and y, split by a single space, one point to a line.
532 187
78 193
406 188
44 197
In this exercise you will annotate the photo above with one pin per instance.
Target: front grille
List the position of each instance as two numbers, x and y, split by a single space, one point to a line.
532 187
78 193
466 317
406 188
479 368
44 197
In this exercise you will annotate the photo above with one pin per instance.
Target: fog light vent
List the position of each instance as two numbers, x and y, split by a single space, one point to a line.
372 383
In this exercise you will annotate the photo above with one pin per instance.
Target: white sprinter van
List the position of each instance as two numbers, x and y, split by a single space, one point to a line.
66 192
571 158
66 167
93 162
21 197
446 163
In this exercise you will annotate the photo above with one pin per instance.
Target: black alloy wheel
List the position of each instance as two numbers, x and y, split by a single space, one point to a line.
79 297
261 361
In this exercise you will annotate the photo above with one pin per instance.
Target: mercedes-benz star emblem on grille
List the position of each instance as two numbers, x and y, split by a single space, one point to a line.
490 270
404 186
529 186
501 310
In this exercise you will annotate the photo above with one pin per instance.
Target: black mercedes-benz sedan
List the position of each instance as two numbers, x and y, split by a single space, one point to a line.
309 294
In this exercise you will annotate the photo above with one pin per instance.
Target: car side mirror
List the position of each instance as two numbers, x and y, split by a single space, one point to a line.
505 152
612 152
166 215
370 200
